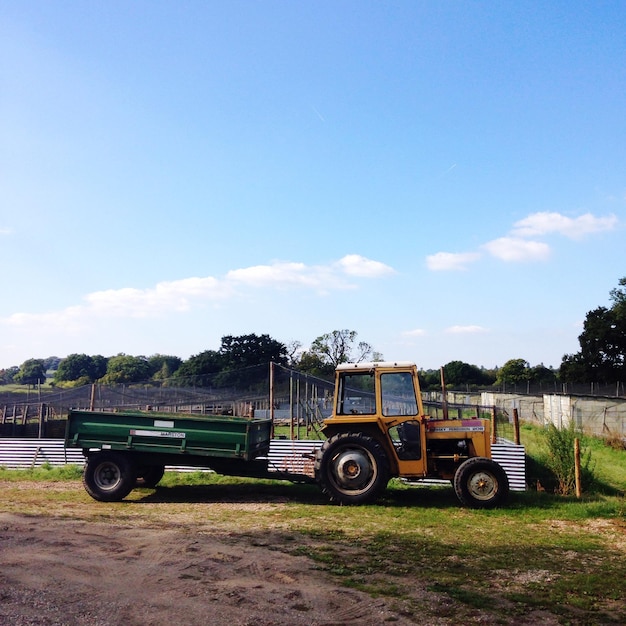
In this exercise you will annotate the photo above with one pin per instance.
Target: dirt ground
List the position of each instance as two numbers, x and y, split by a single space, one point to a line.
58 569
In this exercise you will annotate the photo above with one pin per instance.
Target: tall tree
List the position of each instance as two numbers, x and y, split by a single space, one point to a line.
339 347
248 350
602 355
246 358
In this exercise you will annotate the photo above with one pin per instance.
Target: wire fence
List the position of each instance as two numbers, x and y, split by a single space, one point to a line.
298 403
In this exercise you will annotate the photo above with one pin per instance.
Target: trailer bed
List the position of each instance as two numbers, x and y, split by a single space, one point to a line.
169 434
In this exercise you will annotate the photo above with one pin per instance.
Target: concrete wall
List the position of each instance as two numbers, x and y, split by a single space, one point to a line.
600 416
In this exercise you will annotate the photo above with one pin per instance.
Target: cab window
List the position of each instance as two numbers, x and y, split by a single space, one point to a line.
398 394
356 394
406 440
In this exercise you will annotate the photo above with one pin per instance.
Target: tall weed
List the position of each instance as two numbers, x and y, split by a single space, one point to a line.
561 461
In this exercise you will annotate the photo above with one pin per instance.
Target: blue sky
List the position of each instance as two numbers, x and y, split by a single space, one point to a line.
448 179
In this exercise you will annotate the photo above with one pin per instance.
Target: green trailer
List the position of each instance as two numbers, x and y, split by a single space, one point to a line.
127 449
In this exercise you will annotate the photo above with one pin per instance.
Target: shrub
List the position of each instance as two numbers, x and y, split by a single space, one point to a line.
561 462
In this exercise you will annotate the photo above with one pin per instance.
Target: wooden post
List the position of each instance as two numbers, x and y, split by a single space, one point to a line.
92 399
272 395
515 427
306 403
298 408
577 467
291 433
493 425
444 395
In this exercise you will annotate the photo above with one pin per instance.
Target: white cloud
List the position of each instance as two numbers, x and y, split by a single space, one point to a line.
166 296
545 223
515 249
282 275
6 231
465 330
417 332
443 261
182 295
517 246
277 274
357 265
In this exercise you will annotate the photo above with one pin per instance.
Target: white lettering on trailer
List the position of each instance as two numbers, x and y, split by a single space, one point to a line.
459 429
157 433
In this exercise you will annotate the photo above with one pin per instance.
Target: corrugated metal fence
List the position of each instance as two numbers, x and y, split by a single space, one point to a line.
285 456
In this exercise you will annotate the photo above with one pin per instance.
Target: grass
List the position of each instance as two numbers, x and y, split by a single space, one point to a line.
541 552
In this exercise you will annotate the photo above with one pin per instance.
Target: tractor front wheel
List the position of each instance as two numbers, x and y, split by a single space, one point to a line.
481 483
352 468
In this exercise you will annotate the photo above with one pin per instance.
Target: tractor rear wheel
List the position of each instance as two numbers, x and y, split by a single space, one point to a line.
352 468
109 476
481 483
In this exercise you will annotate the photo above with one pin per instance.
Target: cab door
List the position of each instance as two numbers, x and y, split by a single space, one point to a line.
401 412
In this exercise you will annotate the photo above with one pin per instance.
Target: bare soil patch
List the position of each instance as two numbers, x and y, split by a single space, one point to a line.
67 566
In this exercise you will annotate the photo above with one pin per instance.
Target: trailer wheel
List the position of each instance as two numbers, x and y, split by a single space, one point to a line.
149 476
481 483
109 476
352 468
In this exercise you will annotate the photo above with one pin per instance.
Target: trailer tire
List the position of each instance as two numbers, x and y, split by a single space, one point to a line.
109 476
352 468
481 483
148 476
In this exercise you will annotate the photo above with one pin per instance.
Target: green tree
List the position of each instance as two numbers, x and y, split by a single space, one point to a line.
460 373
313 364
7 375
199 370
542 375
513 372
51 363
294 353
81 367
163 366
602 355
124 368
246 358
31 372
249 350
573 369
339 347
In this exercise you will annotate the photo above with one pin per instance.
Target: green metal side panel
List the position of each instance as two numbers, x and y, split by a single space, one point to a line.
169 433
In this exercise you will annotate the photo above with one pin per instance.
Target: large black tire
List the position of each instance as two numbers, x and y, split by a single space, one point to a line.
352 468
148 476
109 476
481 483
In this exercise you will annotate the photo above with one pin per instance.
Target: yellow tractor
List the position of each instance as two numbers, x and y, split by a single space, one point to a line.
378 430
